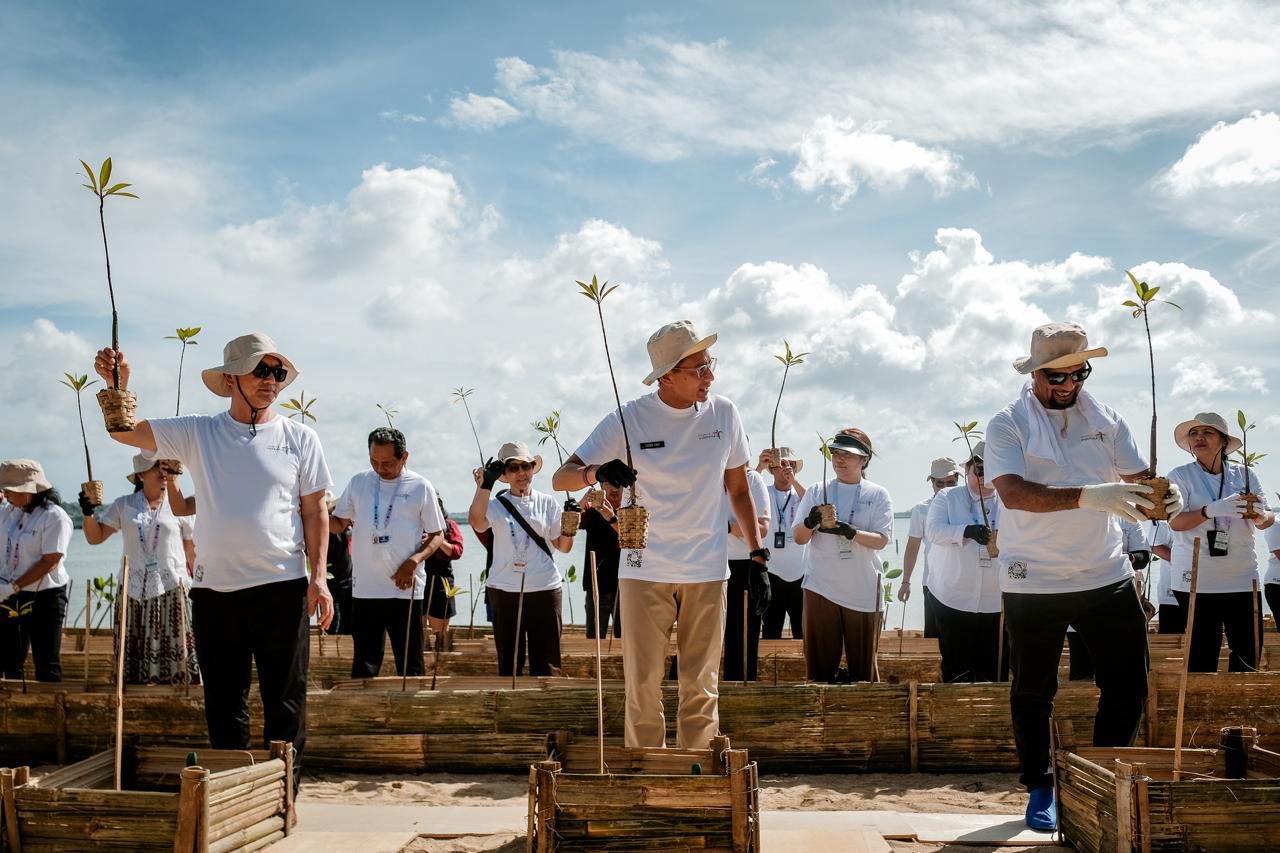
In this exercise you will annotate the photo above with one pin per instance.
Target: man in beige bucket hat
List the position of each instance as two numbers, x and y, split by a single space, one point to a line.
943 474
260 481
688 448
1064 465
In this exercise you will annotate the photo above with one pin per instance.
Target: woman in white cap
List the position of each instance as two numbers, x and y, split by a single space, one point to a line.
964 577
159 648
1217 515
524 585
843 596
262 542
33 579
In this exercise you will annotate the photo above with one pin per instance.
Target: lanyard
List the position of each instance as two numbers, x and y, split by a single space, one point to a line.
782 508
519 547
853 506
1207 478
154 524
377 499
12 545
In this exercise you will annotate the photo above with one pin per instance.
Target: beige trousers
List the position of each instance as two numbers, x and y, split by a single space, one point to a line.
649 609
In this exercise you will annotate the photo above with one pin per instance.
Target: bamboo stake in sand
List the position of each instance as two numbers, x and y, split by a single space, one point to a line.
1000 646
1186 661
1257 630
88 602
122 595
595 601
746 597
515 649
408 629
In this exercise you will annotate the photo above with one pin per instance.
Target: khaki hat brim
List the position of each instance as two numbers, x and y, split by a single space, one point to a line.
1182 437
663 370
537 464
1024 365
243 367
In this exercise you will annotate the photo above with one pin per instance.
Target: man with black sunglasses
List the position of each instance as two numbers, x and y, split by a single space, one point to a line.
260 482
1064 466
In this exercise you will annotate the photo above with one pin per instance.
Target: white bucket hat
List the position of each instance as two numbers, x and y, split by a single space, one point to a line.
943 467
141 464
670 344
240 357
519 451
979 450
24 476
1055 345
1182 432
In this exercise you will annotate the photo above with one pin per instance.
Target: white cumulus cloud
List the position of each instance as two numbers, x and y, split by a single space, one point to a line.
481 112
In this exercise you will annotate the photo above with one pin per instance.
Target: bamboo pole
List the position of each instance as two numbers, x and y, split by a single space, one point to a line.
408 625
595 600
1257 629
193 781
746 599
515 647
182 620
88 601
122 595
1186 661
1000 645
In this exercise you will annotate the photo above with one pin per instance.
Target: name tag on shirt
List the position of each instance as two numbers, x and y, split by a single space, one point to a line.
779 540
984 560
381 539
652 445
846 549
519 566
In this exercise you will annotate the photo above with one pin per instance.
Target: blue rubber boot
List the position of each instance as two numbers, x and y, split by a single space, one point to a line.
1042 810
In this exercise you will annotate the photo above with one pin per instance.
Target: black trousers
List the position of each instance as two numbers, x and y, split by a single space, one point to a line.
375 619
930 614
1110 621
1217 613
1173 619
1273 602
787 601
38 630
608 610
539 630
1080 662
341 623
969 642
264 625
442 606
739 587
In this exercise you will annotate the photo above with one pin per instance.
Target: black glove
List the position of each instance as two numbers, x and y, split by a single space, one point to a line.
979 533
1140 559
493 469
813 519
570 505
87 506
848 531
616 473
759 585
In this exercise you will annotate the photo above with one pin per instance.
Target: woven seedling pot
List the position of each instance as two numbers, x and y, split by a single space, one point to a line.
827 512
993 550
569 522
1250 501
633 527
171 466
118 409
1159 490
595 496
95 491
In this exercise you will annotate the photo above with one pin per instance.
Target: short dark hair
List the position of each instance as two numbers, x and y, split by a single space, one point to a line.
389 435
44 498
861 438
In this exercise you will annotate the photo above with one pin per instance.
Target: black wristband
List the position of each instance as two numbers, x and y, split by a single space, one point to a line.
760 552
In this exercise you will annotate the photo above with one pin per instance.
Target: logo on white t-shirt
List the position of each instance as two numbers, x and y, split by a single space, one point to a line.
1018 570
1097 436
280 448
716 434
635 559
198 574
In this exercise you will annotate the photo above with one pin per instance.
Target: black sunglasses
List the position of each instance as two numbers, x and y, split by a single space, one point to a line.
1053 377
263 370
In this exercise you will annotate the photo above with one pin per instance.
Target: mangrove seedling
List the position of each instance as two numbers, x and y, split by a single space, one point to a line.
300 407
596 292
460 395
789 360
549 429
98 185
78 384
1247 459
969 433
1141 307
572 577
188 339
388 413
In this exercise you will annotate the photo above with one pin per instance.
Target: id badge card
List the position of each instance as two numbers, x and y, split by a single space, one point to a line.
519 566
779 540
1218 541
381 539
984 560
151 566
846 549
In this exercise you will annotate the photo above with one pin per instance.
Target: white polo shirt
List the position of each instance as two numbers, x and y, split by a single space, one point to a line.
514 551
28 536
152 542
786 562
737 546
1239 568
839 570
388 520
1272 537
916 529
964 577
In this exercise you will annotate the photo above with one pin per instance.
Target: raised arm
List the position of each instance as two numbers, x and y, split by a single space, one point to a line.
140 436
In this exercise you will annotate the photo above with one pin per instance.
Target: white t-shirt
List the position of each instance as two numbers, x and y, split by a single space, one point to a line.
1239 568
152 542
680 456
787 562
395 513
836 568
1160 535
1135 536
737 547
28 536
917 530
1272 537
964 577
1071 550
248 493
511 545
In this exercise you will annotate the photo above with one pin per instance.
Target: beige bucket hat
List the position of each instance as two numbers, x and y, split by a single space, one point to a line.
24 476
786 454
1182 432
141 464
670 344
240 357
1055 345
943 467
518 451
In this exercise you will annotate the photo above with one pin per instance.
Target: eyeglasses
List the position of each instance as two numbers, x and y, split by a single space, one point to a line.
1054 377
702 371
518 467
263 370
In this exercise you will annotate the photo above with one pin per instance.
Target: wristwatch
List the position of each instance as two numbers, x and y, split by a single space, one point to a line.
762 553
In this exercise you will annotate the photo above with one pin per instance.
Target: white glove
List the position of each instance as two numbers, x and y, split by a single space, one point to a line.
1122 499
1173 501
1229 507
7 590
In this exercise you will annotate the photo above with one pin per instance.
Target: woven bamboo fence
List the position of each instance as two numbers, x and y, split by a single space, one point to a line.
647 799
234 800
1225 799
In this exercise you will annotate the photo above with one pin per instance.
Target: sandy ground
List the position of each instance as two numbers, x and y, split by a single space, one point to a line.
921 792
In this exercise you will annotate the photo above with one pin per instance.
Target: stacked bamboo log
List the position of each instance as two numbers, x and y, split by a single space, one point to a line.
706 799
1227 798
233 801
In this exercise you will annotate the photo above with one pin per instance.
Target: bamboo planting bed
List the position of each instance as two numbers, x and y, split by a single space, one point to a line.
646 799
234 800
1224 799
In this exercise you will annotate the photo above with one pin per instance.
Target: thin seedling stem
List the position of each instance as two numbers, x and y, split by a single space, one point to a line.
88 463
115 319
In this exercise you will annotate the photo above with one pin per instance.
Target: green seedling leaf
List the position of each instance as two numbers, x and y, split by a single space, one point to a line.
893 573
572 574
104 174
